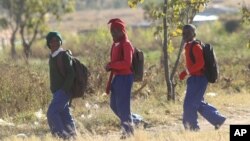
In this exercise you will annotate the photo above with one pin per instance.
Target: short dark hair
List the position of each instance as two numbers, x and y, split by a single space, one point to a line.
190 26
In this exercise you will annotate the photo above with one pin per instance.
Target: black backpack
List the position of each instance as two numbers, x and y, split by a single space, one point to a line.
138 65
211 67
81 75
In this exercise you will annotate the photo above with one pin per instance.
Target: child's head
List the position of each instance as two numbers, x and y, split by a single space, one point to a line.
188 32
54 39
117 29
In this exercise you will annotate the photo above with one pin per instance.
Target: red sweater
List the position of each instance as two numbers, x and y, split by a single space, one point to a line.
196 68
121 57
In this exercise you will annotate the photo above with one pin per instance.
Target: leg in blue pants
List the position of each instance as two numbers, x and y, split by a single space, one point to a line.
68 121
120 100
211 114
58 115
193 103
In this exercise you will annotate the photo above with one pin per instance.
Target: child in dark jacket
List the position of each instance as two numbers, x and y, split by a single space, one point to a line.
58 115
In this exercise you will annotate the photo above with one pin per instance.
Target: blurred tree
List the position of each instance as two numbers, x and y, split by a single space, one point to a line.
3 26
3 23
246 18
169 17
30 17
245 13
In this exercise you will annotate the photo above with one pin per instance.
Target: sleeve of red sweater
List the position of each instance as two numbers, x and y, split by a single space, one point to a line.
199 60
127 59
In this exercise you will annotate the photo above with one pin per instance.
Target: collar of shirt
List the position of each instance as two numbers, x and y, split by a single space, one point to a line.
185 45
117 44
191 41
54 54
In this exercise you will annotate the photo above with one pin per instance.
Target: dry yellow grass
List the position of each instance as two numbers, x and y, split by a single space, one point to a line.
235 107
143 136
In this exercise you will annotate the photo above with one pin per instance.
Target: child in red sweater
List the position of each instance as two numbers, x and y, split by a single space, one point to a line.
196 86
121 76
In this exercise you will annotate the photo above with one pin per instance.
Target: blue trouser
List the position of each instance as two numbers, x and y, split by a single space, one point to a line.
60 121
194 102
120 99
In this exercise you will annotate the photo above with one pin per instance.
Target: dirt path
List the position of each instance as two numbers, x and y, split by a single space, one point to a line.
234 116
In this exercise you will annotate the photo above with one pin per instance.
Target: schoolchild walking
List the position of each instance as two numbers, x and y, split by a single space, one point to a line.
196 85
60 121
121 76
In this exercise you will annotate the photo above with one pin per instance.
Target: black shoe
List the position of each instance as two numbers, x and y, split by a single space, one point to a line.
191 128
127 133
123 137
197 129
217 126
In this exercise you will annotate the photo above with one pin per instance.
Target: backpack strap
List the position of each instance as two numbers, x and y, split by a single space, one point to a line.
60 64
60 67
122 44
191 54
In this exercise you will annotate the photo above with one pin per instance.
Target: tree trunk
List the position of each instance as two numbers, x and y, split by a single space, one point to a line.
12 43
28 43
175 68
27 50
177 60
165 53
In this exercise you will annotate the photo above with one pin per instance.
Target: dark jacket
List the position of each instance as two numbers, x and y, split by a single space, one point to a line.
57 80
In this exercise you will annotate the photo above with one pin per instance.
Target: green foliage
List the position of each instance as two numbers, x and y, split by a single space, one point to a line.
153 55
232 25
31 17
138 38
246 19
3 23
179 12
245 14
133 3
33 11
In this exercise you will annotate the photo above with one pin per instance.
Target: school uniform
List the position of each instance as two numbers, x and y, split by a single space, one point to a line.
60 121
196 87
121 85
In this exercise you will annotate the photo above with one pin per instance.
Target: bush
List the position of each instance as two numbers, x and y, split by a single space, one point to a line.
23 88
232 25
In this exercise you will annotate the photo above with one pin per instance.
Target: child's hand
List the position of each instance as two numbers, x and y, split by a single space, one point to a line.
182 75
107 68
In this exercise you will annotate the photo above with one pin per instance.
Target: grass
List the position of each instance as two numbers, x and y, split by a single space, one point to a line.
163 115
146 136
101 124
